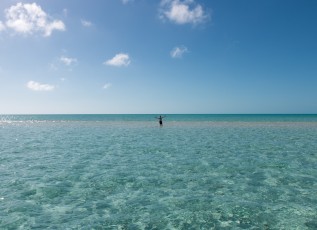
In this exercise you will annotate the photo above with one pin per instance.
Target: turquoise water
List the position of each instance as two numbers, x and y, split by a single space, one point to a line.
126 172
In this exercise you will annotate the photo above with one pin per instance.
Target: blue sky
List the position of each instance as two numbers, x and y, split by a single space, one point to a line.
164 56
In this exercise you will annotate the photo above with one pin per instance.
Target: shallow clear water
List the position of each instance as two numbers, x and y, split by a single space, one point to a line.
126 172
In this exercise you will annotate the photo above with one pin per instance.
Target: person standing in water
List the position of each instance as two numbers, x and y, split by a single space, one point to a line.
160 118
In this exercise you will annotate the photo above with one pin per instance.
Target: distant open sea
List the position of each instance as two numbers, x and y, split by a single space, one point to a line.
127 172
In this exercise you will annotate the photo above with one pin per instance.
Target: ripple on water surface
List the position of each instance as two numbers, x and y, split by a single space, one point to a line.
135 175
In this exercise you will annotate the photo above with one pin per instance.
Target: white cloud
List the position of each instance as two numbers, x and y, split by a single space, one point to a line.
36 86
107 85
30 18
86 23
177 52
2 27
182 12
68 61
120 59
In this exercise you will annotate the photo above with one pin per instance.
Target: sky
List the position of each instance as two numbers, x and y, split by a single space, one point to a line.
158 56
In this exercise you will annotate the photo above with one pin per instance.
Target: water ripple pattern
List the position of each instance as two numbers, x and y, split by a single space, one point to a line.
126 172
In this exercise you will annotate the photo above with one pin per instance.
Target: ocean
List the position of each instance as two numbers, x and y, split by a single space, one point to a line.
128 172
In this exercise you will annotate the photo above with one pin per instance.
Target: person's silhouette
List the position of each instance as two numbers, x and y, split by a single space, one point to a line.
160 118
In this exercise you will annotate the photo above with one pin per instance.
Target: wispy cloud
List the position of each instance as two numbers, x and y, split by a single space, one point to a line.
68 61
86 23
178 52
36 86
119 60
30 18
107 86
126 1
65 12
2 27
182 12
